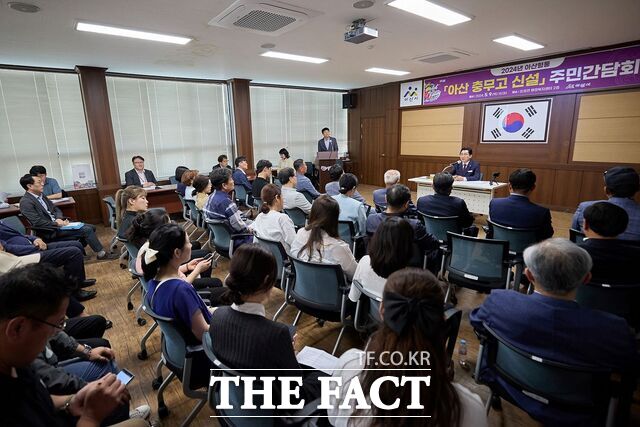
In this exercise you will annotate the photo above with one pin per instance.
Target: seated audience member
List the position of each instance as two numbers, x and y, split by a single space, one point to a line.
398 199
33 301
290 196
223 162
42 214
187 180
271 223
412 310
241 335
332 188
612 258
139 175
304 183
442 203
202 189
180 187
169 295
130 202
391 178
550 324
390 250
285 159
351 209
263 177
240 173
466 169
319 241
221 207
50 188
517 210
620 185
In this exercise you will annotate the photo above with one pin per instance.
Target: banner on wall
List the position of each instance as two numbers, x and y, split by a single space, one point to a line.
522 122
411 94
568 74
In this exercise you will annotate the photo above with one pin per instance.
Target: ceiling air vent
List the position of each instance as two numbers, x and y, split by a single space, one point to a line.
438 57
268 17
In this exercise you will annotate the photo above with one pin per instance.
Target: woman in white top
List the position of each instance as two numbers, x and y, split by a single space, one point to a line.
412 310
319 241
285 159
187 179
271 223
390 249
351 209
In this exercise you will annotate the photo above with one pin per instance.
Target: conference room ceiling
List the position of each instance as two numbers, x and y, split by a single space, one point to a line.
49 39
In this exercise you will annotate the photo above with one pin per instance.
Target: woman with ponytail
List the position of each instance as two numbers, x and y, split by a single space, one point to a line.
241 336
319 241
412 310
271 223
351 209
130 201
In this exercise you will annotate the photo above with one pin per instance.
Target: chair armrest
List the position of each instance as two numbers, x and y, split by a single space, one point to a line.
192 349
240 236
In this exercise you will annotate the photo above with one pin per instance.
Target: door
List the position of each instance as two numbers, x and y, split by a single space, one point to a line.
372 149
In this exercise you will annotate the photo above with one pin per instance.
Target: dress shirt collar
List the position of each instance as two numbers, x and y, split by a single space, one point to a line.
254 308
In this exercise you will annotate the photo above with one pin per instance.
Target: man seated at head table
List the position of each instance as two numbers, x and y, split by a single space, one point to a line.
51 187
139 175
620 185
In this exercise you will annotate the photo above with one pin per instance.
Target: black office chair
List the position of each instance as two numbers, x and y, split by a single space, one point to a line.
618 299
576 236
519 239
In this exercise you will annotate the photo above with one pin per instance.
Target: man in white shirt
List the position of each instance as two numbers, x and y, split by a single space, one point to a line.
291 197
139 175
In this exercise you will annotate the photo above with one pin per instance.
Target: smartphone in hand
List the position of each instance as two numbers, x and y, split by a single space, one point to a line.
125 376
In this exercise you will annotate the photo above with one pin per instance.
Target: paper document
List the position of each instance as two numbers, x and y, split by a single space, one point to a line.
317 359
72 226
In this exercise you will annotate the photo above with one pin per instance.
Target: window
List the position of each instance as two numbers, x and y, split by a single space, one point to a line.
293 119
169 123
42 122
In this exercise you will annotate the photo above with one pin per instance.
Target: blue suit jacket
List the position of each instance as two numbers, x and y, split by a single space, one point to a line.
304 184
439 205
333 145
520 212
15 242
239 178
472 173
631 206
559 330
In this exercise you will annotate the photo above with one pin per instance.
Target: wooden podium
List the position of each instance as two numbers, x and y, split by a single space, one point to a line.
323 161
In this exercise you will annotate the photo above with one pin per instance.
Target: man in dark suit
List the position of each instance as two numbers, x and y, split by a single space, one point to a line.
327 143
442 203
550 324
223 162
139 175
612 258
67 255
466 169
48 219
517 210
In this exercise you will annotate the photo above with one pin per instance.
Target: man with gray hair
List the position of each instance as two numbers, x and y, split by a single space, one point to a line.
391 178
550 324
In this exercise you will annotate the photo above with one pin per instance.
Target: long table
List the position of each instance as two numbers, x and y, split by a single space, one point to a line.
477 194
67 205
164 197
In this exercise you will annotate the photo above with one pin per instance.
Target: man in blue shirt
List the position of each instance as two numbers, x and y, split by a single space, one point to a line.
304 183
620 185
51 187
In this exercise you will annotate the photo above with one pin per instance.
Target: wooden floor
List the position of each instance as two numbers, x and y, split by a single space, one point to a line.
113 284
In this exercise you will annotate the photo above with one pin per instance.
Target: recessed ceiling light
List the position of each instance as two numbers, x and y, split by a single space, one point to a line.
291 57
363 4
134 34
268 46
387 71
431 11
23 7
518 42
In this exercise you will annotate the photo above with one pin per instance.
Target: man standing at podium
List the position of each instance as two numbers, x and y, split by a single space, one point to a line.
466 169
327 143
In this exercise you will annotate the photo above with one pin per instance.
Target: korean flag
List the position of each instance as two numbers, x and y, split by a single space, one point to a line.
524 122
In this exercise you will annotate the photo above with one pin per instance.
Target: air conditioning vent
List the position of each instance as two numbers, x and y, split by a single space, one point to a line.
438 57
268 17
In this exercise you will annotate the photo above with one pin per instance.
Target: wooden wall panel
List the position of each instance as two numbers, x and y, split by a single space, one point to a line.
431 131
242 119
566 188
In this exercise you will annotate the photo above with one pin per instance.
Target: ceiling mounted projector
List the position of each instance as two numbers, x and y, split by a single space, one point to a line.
358 32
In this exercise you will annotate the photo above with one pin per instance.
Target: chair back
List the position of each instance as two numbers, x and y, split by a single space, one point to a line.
173 180
439 225
257 202
185 207
347 232
298 217
219 235
319 289
111 209
15 223
452 320
174 346
367 315
240 194
235 417
479 264
194 212
306 195
277 250
519 238
579 388
576 236
380 208
277 182
621 300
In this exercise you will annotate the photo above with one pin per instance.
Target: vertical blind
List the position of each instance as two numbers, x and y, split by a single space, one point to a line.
42 122
293 119
169 123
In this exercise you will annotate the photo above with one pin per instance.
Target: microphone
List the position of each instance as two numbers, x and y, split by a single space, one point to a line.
494 176
451 165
